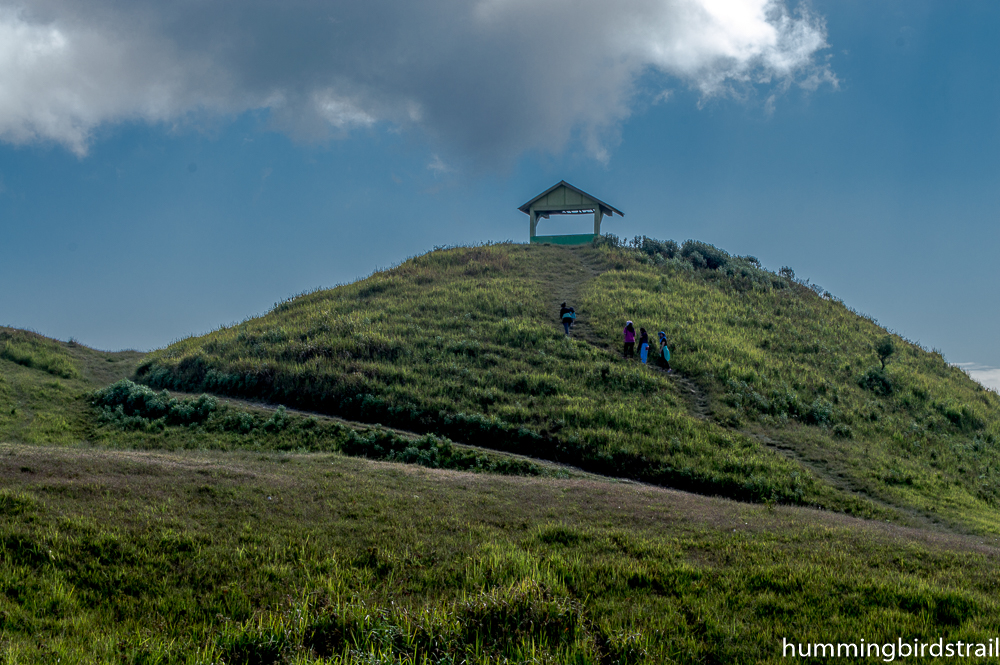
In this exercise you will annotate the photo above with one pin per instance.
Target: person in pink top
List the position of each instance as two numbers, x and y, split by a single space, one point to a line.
629 340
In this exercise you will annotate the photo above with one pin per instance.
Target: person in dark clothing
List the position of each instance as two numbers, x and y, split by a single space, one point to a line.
643 345
568 316
629 340
665 352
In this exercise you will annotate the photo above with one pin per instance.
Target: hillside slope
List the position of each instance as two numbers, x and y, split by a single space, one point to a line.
42 383
779 395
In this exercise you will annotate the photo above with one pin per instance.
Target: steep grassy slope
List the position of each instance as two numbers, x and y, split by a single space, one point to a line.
464 343
125 557
799 370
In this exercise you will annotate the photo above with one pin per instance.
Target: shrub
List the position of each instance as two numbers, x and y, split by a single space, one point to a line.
500 617
961 416
608 240
877 381
652 247
134 406
820 412
712 256
15 503
842 431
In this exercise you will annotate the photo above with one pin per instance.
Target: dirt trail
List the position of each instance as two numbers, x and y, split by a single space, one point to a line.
566 286
581 267
828 474
700 406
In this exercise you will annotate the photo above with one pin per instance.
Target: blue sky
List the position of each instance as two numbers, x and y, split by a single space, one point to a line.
167 168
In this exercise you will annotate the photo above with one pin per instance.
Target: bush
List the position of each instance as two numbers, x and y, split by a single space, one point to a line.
134 406
712 256
877 381
499 617
820 413
842 431
961 416
608 240
652 247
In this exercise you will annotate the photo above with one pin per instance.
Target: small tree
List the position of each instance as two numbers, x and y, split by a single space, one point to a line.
884 349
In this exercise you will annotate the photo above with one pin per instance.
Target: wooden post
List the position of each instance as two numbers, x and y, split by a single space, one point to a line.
534 221
597 220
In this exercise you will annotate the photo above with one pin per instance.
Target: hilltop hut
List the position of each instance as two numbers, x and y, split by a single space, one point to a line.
565 199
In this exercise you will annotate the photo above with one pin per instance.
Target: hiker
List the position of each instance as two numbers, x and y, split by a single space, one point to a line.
665 352
568 316
629 340
643 345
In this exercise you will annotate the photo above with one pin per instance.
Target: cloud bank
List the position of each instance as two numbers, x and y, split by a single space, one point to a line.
487 78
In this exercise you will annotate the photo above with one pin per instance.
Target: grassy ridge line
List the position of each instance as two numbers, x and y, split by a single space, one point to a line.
459 343
134 556
798 366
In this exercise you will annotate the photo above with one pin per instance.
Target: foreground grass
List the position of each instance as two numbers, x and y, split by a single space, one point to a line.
117 556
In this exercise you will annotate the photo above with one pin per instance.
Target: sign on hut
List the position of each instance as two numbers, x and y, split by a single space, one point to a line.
565 199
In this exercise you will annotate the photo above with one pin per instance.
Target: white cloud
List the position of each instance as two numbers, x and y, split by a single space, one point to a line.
437 166
989 377
489 79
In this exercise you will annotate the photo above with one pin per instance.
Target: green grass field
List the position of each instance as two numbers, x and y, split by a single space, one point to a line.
450 479
208 557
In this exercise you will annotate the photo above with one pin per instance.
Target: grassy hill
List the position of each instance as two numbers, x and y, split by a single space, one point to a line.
43 383
779 394
144 526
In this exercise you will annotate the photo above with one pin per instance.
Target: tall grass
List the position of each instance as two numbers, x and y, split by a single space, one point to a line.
461 343
136 416
35 351
781 357
111 558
